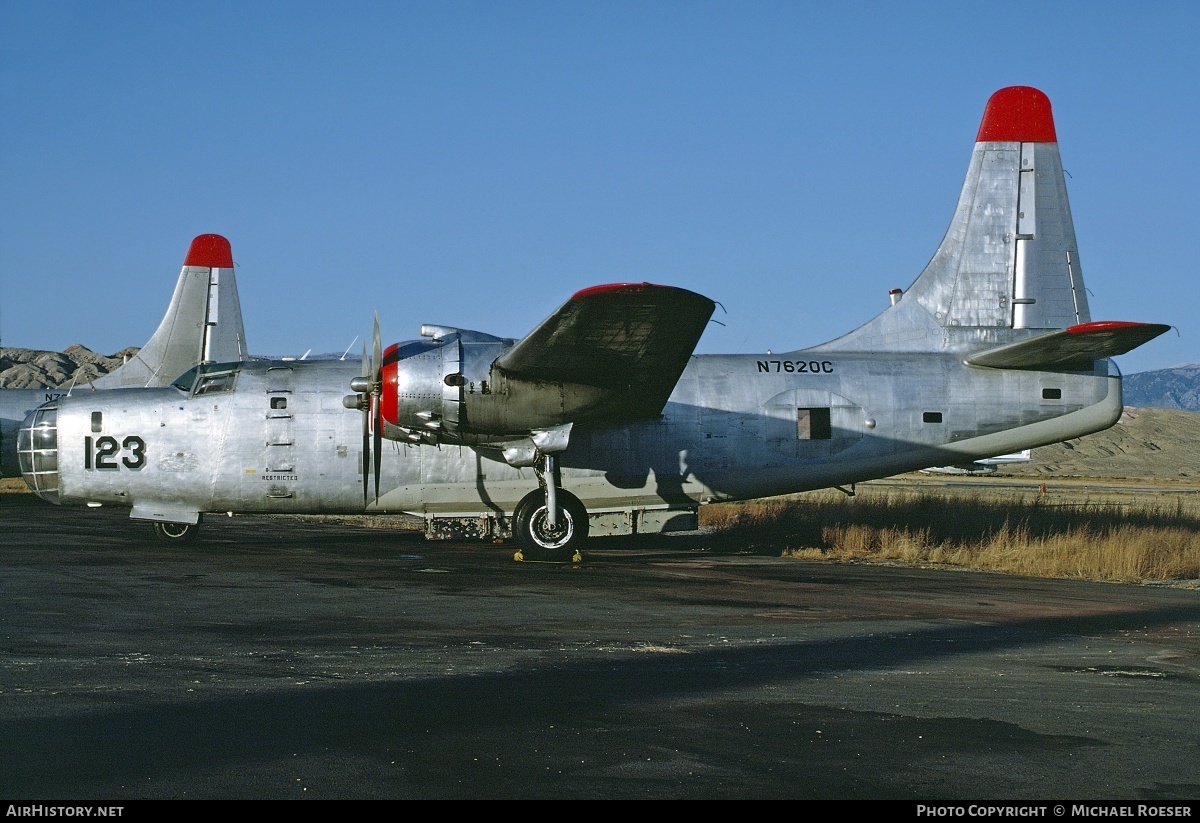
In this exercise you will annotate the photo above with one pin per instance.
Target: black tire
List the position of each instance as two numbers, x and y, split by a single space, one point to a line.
529 527
176 534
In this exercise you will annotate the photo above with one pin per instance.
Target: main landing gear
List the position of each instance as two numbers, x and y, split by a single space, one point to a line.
550 523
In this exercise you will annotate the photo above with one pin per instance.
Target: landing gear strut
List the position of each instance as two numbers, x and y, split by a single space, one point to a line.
550 523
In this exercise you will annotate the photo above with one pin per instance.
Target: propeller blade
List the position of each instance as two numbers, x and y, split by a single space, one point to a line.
378 445
366 429
376 352
376 405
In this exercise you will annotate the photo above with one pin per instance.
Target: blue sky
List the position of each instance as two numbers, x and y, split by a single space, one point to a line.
475 163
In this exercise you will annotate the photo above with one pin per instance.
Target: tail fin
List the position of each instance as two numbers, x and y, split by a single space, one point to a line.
1008 267
202 324
1010 257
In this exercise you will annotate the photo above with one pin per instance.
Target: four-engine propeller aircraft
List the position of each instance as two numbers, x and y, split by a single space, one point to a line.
602 420
203 324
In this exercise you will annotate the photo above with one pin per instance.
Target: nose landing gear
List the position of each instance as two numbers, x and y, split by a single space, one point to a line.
175 534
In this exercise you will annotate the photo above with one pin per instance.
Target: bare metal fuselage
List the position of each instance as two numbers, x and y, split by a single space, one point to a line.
277 439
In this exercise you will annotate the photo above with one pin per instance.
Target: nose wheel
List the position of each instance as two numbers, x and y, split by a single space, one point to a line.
176 534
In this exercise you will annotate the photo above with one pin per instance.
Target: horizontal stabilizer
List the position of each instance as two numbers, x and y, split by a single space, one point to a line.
1074 348
632 338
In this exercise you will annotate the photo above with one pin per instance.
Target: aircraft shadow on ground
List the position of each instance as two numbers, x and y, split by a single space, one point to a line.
435 731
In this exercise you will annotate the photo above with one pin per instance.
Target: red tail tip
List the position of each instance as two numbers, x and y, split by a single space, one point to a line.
211 250
1017 114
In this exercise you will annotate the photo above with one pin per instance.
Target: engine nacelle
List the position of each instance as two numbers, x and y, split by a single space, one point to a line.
446 390
421 397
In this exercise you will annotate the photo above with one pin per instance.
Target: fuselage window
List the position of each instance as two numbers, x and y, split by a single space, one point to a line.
1052 394
813 424
279 402
931 417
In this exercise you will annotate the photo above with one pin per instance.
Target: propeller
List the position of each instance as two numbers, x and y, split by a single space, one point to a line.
376 410
365 406
369 390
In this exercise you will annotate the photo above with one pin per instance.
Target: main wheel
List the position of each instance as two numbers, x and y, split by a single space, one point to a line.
176 534
532 529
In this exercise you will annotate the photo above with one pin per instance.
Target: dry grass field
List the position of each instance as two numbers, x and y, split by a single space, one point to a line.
1095 531
12 485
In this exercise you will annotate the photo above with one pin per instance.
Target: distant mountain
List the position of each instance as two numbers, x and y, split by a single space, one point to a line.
1145 444
1174 388
34 369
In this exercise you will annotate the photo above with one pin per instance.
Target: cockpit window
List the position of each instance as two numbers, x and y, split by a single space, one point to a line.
185 381
209 378
213 383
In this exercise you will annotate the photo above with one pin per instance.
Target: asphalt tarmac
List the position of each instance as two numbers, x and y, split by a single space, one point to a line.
279 658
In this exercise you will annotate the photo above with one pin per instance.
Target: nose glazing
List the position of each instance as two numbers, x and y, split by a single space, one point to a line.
37 451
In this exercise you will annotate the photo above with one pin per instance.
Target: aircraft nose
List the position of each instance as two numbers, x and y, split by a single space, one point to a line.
37 451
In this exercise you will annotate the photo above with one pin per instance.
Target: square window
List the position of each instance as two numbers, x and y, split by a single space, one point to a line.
813 424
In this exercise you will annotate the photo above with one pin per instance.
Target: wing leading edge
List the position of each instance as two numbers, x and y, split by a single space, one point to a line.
633 339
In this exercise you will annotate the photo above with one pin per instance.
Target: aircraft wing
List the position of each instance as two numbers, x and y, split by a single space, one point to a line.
1073 348
632 338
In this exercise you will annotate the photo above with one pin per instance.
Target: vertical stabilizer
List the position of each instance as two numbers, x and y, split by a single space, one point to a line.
202 324
1010 257
1009 261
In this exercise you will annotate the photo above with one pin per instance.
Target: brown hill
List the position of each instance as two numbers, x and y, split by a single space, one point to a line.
1148 444
34 369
